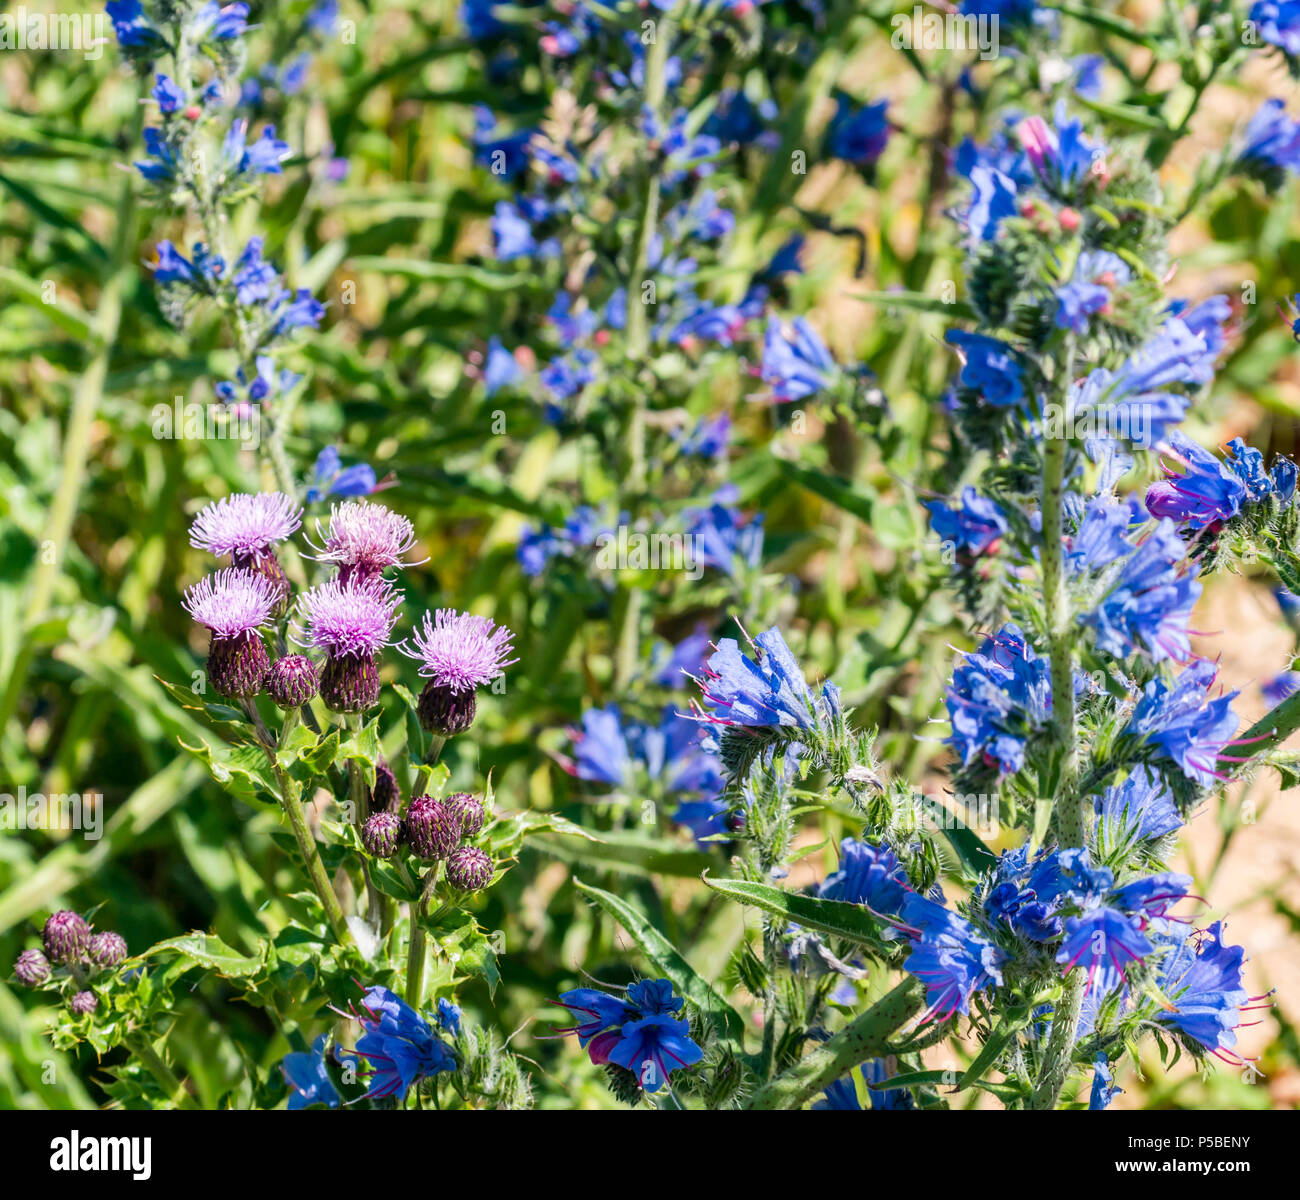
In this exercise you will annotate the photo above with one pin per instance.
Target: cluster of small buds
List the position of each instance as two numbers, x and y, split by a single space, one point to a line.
71 953
435 830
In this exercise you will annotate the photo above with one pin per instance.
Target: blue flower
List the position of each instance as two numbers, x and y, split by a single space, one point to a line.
654 997
132 27
870 875
796 367
1202 978
500 370
512 230
1141 806
653 1047
1179 722
448 1017
1061 154
858 133
949 957
989 368
304 1071
685 659
399 1046
709 439
993 200
331 478
1104 938
767 690
736 120
1278 23
254 277
1281 686
706 819
1087 70
164 165
1088 292
263 157
722 537
1204 495
973 527
602 750
1102 534
169 96
1272 140
596 1011
1103 1086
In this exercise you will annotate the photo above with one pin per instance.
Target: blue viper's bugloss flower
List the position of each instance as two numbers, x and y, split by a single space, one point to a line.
973 526
736 120
506 156
1103 1085
948 956
1281 686
1202 977
595 1010
1204 495
992 201
709 439
1016 13
767 690
1102 534
653 1047
162 165
870 875
998 696
1095 274
168 95
685 659
331 478
988 367
654 997
1278 23
254 277
262 157
304 1071
706 820
399 1046
1060 153
722 537
797 365
858 133
1271 139
1179 721
132 27
220 22
1141 804
1103 939
500 369
842 1095
448 1017
1151 602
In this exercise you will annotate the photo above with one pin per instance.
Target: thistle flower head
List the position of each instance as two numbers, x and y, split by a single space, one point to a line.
245 526
232 602
459 651
363 538
350 617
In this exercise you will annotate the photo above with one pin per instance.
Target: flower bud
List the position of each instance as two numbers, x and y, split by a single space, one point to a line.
350 683
469 812
469 869
1068 218
84 1003
65 936
445 712
381 834
106 949
432 829
292 681
32 968
237 666
386 795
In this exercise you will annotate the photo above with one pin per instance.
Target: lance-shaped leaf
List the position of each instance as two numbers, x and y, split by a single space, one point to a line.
836 917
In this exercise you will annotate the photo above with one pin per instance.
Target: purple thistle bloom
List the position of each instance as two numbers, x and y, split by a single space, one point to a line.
398 1045
364 539
232 602
459 651
1202 977
349 618
245 525
948 956
304 1071
1177 720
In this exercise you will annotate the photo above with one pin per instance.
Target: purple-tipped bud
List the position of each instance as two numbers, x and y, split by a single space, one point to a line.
445 712
432 829
387 796
237 666
65 936
84 1003
469 869
32 968
469 812
293 681
381 834
350 683
106 949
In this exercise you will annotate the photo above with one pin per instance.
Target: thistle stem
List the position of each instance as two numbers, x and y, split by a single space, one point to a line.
165 1077
418 946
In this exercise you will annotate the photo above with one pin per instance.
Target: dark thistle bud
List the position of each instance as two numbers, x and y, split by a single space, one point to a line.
237 666
65 936
445 712
386 795
469 869
84 1003
350 683
293 680
381 834
432 829
32 968
268 567
469 812
106 949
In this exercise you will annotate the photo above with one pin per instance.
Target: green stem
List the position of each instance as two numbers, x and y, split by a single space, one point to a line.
1271 730
867 1036
166 1078
418 946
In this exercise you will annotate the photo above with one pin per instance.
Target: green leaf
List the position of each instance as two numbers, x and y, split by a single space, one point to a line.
829 487
720 1017
836 917
626 851
210 952
444 272
957 310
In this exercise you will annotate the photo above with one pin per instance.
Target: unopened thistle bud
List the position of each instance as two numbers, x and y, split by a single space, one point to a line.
432 829
234 605
351 622
386 795
65 936
457 653
106 949
469 869
468 811
32 968
381 834
293 681
84 1003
